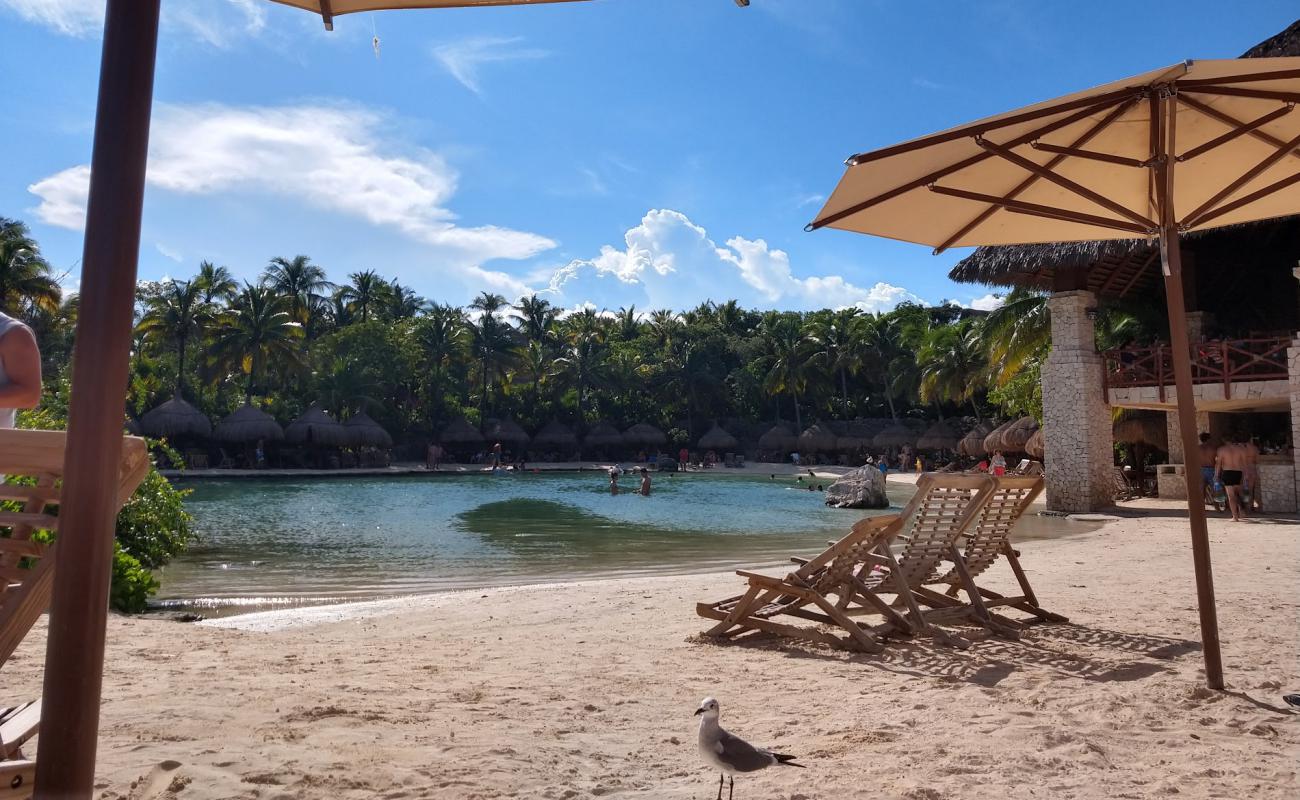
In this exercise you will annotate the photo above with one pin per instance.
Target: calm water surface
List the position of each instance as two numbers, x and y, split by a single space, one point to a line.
284 542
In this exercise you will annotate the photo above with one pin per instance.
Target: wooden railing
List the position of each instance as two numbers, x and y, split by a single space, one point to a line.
1225 361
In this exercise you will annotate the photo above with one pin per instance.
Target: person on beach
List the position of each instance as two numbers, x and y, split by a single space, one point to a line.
1208 454
20 369
496 455
998 464
613 480
683 457
1250 485
645 482
1231 463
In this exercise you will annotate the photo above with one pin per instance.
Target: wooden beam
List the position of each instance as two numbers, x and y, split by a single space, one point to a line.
1088 154
1231 121
327 14
1235 132
1248 199
1236 91
1250 77
1192 219
1041 210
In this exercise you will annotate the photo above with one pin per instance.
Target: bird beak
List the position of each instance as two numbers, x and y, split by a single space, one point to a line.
699 711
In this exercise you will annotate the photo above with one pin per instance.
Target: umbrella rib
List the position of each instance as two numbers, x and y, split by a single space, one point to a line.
1236 91
951 168
1094 155
1194 218
1032 179
1243 201
1235 132
1248 78
1227 119
327 14
1006 154
1039 210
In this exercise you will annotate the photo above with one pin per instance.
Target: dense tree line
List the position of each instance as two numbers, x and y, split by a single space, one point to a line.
293 336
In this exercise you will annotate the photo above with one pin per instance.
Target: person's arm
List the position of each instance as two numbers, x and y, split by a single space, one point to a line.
22 362
1218 465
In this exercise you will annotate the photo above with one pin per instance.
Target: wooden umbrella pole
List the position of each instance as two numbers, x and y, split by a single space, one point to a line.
1162 119
74 656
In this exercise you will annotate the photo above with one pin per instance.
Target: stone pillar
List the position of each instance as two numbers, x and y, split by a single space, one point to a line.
1176 436
1293 359
1080 453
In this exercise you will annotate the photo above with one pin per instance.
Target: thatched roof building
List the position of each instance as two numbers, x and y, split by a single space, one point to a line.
817 438
778 437
1015 435
175 418
972 444
644 435
555 434
363 431
247 424
717 439
993 441
1036 447
316 427
602 434
895 435
460 432
939 436
506 431
1149 429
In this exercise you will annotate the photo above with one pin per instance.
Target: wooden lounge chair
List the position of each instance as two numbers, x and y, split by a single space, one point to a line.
27 568
858 569
987 540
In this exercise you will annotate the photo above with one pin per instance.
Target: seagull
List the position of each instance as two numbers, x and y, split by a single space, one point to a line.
730 753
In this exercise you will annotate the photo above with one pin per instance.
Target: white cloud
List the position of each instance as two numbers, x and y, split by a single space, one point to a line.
670 262
986 303
463 58
336 158
168 252
217 24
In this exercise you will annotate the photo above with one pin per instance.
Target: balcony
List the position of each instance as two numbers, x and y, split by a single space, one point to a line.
1226 373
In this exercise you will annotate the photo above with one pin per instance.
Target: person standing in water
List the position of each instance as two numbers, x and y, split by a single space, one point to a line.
20 369
613 480
645 482
496 455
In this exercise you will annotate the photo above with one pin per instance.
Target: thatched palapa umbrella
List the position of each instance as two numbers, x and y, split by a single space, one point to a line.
895 435
555 434
939 436
972 444
644 435
602 434
1015 435
1036 447
993 441
460 432
362 431
507 431
778 437
247 424
175 418
817 438
718 439
316 427
1143 430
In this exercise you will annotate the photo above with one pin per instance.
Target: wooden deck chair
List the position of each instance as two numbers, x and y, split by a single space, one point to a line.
861 567
27 566
987 540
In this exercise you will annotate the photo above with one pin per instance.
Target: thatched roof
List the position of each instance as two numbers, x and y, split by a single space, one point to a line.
972 444
939 436
895 435
778 437
717 439
1036 447
316 427
248 424
602 434
555 434
1013 436
460 432
852 441
507 431
175 418
818 438
363 431
1114 268
1143 429
642 434
994 440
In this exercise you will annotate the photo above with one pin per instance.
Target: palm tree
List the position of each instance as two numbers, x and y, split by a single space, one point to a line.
837 342
1016 333
177 315
25 280
441 334
256 331
951 364
789 358
664 324
215 283
303 284
629 326
584 346
536 317
491 341
401 302
365 294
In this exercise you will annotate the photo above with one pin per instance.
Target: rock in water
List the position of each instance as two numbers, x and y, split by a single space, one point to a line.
864 487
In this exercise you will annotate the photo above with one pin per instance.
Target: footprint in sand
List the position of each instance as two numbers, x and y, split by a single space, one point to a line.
160 780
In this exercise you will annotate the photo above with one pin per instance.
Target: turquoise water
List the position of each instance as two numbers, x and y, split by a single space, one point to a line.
277 542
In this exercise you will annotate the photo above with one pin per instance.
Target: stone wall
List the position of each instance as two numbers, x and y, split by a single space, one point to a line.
1080 453
1293 355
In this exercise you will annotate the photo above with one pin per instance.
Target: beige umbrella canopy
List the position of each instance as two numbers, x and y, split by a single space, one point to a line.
644 435
818 438
460 432
248 424
328 9
507 432
939 436
778 437
972 444
1143 430
555 434
1036 447
602 434
895 435
717 439
1015 435
175 418
362 431
316 427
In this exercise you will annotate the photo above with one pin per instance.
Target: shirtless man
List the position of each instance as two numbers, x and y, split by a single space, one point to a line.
20 369
1208 455
645 482
1230 467
1252 474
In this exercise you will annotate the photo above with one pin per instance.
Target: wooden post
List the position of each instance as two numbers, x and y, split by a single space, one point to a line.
1163 114
74 658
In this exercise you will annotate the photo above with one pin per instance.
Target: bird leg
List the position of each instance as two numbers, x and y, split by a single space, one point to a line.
731 787
720 777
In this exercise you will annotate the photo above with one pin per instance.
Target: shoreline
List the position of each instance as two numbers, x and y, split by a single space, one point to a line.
409 469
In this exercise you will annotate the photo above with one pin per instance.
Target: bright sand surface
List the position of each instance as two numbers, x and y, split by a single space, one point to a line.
588 689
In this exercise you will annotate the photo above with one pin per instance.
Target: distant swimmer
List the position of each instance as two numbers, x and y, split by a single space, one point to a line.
645 482
613 480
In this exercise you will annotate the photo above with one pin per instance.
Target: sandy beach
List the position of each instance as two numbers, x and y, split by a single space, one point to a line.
587 690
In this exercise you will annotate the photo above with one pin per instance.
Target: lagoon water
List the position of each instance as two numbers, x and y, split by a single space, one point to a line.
267 543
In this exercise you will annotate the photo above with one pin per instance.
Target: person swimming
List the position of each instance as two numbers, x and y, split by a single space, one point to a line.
645 482
613 480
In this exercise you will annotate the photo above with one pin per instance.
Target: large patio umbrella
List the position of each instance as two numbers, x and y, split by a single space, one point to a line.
508 432
247 424
972 444
895 435
644 435
1015 435
1184 148
459 431
778 437
362 431
316 427
993 441
939 436
718 439
602 434
175 417
1036 447
817 438
555 434
1143 429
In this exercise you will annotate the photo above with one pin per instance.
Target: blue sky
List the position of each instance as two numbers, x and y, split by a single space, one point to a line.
615 152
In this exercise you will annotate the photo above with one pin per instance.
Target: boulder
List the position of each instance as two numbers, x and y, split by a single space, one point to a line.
864 487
